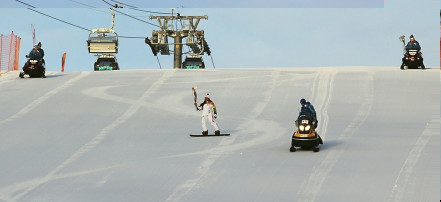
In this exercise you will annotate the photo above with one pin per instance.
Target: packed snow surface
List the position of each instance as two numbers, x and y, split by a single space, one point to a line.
124 135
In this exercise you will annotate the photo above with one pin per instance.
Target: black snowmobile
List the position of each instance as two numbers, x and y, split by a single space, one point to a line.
305 136
413 60
34 67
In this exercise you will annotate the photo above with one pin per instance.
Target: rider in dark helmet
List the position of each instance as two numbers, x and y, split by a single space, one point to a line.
35 54
413 44
41 51
308 109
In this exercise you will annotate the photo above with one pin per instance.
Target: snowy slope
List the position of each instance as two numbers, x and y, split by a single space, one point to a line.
123 136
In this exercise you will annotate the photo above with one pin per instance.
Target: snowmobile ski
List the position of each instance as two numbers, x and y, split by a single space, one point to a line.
209 135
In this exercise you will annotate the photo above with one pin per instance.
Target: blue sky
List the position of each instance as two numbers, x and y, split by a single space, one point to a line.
240 37
209 4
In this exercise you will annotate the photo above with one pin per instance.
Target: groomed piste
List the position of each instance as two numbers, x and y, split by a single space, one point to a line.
124 135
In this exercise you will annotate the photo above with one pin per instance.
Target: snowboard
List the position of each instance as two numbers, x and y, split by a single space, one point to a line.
209 135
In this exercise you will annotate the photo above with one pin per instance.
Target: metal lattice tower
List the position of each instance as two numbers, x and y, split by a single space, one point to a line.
194 38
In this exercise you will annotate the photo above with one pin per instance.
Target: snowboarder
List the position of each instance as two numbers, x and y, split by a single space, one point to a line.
208 113
309 110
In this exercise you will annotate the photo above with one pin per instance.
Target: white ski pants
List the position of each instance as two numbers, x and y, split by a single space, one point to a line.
211 120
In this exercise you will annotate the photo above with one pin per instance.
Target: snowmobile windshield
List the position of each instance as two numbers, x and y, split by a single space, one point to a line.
105 63
305 117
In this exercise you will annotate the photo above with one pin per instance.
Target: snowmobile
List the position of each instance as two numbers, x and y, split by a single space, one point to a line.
34 68
305 136
106 62
413 59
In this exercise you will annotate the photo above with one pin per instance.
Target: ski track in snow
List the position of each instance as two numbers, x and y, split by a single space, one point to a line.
311 186
250 125
176 108
25 188
399 189
13 192
43 98
323 83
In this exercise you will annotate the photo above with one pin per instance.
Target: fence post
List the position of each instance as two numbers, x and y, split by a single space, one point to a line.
10 50
17 53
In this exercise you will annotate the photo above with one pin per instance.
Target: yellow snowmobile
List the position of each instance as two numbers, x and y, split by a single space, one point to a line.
305 136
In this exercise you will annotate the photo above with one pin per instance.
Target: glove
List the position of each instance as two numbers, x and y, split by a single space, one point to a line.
215 116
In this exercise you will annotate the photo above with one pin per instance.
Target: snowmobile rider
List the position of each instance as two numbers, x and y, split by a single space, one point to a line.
41 51
413 44
36 53
208 113
309 110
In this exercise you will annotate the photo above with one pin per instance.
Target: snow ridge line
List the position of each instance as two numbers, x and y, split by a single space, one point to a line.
43 98
325 121
312 185
103 134
323 83
6 193
100 93
400 185
215 153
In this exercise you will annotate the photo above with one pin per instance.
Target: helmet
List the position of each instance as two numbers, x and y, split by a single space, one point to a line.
207 96
302 101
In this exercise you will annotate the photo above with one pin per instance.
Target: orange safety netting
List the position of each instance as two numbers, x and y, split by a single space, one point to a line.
9 52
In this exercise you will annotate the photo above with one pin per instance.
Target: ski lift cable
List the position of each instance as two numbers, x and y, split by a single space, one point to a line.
132 37
60 20
63 21
137 9
137 18
51 16
157 58
88 6
212 61
95 8
25 4
129 15
108 3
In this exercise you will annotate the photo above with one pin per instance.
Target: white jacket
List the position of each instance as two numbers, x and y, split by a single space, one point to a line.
208 109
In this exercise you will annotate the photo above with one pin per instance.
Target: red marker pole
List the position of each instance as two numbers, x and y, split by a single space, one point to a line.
63 59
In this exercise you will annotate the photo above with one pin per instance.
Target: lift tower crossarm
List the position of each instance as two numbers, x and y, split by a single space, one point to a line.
194 37
166 19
